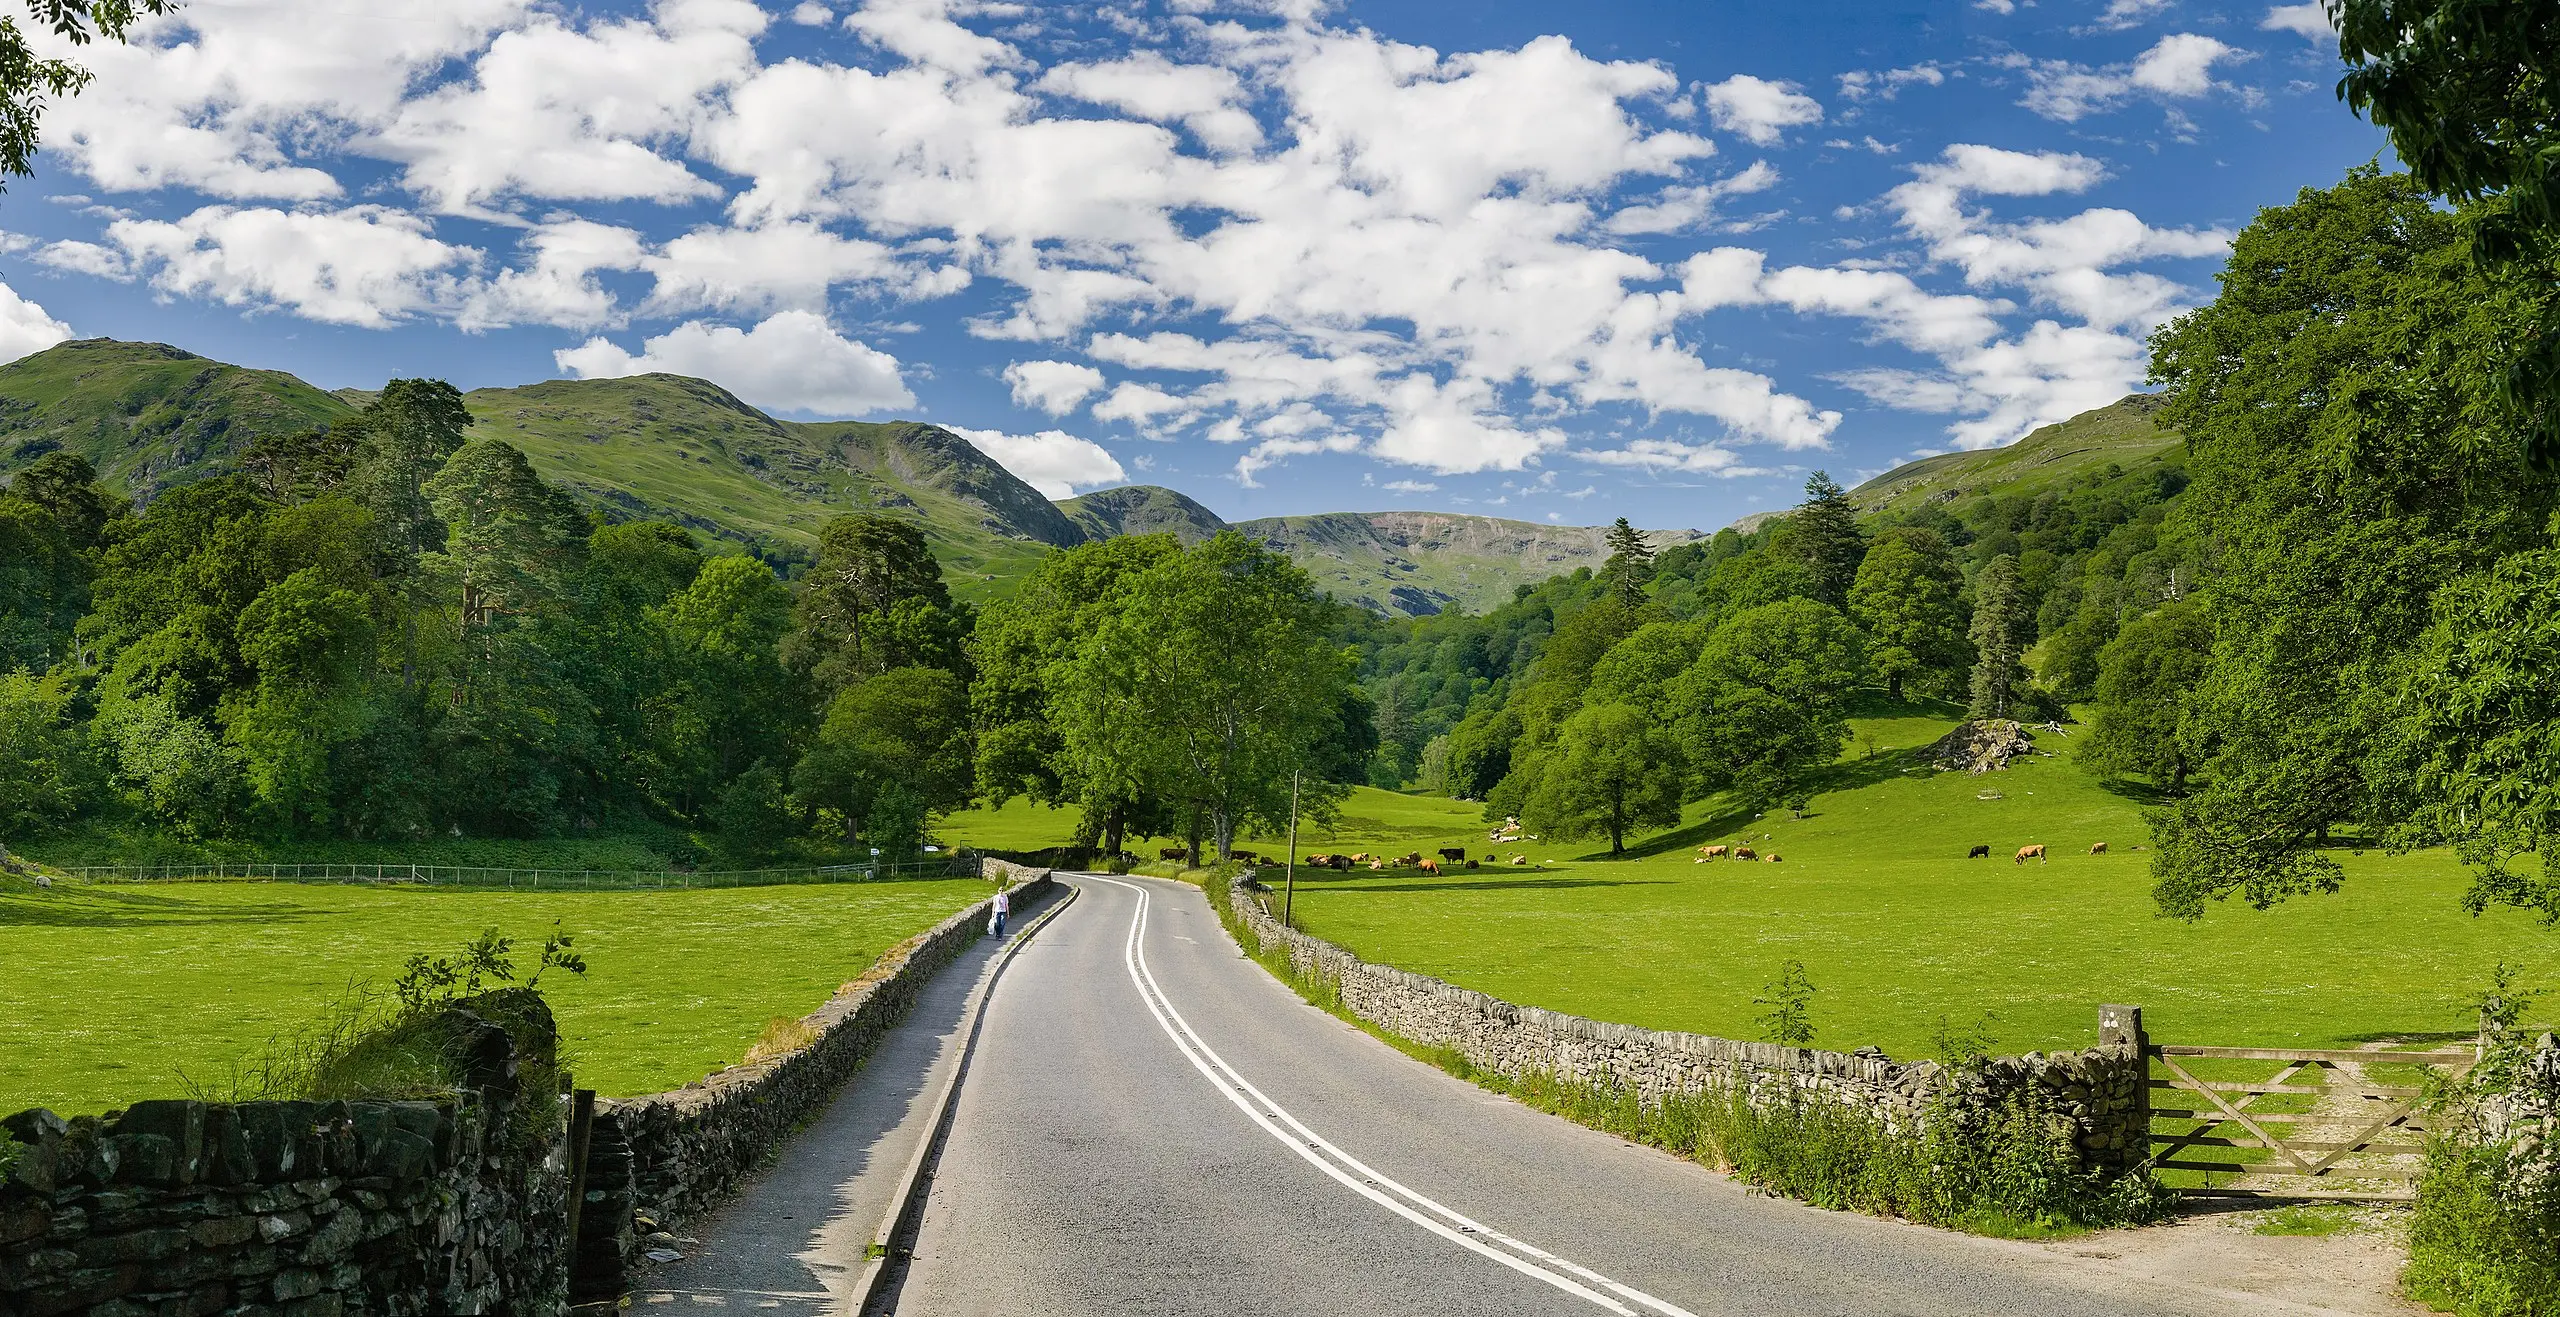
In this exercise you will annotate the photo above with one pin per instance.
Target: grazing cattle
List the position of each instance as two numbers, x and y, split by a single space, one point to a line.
1430 866
2026 852
2099 849
1982 852
1519 859
1712 852
1175 853
1375 865
1318 861
1361 857
1471 864
1453 854
1247 856
1409 858
1745 853
1775 858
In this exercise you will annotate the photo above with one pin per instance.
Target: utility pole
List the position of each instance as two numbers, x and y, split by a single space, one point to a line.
1289 895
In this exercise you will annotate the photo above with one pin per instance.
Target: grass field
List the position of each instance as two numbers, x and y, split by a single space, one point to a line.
108 993
1898 929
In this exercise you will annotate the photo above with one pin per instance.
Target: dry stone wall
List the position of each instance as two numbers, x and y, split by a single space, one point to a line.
2101 1089
281 1209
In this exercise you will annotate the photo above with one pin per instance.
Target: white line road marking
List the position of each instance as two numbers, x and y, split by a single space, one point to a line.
1350 1171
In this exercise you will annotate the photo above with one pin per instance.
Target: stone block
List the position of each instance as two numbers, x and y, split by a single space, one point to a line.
24 1222
223 1231
130 1247
82 1290
147 1158
227 1159
283 1225
186 1269
334 1239
294 1283
318 1305
34 1125
181 1123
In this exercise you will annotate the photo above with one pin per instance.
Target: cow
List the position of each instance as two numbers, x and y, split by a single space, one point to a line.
1175 853
1712 852
1247 857
2025 853
2098 849
1471 864
1519 859
1453 854
44 883
1319 860
1981 852
1361 857
1429 866
1745 853
1775 858
1375 865
1409 859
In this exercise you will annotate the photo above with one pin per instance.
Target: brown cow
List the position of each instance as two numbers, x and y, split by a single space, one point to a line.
1774 858
1247 857
1375 865
1175 853
2099 849
1712 852
2025 852
1745 853
1429 866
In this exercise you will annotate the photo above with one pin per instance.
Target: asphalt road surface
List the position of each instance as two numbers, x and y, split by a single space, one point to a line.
1153 1124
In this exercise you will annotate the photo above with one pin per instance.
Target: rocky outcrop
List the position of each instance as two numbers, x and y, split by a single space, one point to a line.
1982 745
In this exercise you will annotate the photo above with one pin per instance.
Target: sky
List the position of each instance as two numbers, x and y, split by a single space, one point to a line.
1564 263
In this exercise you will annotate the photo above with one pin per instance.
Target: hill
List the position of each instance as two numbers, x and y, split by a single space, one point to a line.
1419 563
1141 510
2122 432
150 416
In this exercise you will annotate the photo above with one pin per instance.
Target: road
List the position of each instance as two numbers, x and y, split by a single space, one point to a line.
1153 1124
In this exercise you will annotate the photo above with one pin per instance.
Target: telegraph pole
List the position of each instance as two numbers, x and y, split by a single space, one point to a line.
1289 896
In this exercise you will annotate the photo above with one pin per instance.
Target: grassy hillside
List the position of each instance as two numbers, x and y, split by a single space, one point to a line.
2121 432
1141 510
1418 563
148 416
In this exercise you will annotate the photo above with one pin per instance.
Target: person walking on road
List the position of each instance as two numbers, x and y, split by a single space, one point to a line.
1003 907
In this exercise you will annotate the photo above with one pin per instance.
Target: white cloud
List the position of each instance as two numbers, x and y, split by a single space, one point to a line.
1885 84
812 14
787 265
2121 14
793 361
1054 387
1672 455
1680 208
24 326
1203 98
1759 111
2309 19
1271 451
367 265
1409 487
1054 462
2177 66
560 286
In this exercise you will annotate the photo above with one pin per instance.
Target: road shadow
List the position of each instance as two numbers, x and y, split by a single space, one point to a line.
103 908
1501 885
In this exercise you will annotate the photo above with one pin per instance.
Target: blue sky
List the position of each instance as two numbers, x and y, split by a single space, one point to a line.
1561 263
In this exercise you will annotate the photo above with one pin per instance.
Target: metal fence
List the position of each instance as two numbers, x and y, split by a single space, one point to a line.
543 880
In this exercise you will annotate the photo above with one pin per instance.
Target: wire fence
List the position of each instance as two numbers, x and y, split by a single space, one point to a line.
542 880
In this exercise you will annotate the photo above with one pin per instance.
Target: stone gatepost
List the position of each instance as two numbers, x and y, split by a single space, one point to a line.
2119 1138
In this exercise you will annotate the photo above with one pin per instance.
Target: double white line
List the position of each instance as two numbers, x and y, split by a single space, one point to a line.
1438 1218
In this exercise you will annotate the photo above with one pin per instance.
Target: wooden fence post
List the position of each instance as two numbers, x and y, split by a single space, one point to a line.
582 1123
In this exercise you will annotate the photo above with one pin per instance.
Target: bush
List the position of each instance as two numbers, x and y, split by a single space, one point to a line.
2477 1246
46 777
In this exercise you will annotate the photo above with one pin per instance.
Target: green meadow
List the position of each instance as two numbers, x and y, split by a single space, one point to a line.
1896 927
113 993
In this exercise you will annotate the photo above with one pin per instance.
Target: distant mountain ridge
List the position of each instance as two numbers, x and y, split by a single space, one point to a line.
151 416
2123 432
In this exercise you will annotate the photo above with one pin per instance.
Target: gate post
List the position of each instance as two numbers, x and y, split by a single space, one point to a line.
2125 1142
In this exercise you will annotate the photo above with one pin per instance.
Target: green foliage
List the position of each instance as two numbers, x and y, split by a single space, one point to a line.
2001 618
1612 769
46 774
1630 565
483 963
2144 675
1786 1015
2476 1246
1907 597
1823 534
904 731
27 78
1765 701
875 601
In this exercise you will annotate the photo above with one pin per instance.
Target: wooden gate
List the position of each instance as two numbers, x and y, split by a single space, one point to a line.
2355 1138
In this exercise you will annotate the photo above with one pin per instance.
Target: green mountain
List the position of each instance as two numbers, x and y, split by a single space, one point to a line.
2121 432
1419 563
666 446
1141 510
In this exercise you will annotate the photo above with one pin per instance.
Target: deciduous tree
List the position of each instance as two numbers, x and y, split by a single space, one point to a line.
1908 597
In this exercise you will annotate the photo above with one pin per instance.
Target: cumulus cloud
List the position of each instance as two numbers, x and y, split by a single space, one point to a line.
2309 19
1680 208
2178 66
367 265
2121 14
794 361
1672 455
1410 487
1055 387
1760 111
24 326
1885 84
1054 462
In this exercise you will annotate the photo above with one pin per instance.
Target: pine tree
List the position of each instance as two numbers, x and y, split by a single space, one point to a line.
1999 609
1825 536
1630 565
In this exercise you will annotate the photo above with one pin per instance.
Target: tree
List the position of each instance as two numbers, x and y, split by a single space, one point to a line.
290 467
2144 675
27 78
1907 597
1630 564
1611 770
904 732
400 440
1213 677
2000 621
2349 459
737 705
512 539
1643 670
2466 90
875 601
311 645
1766 696
1823 534
46 776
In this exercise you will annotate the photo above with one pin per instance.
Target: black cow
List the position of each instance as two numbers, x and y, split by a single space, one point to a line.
1453 854
1978 853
